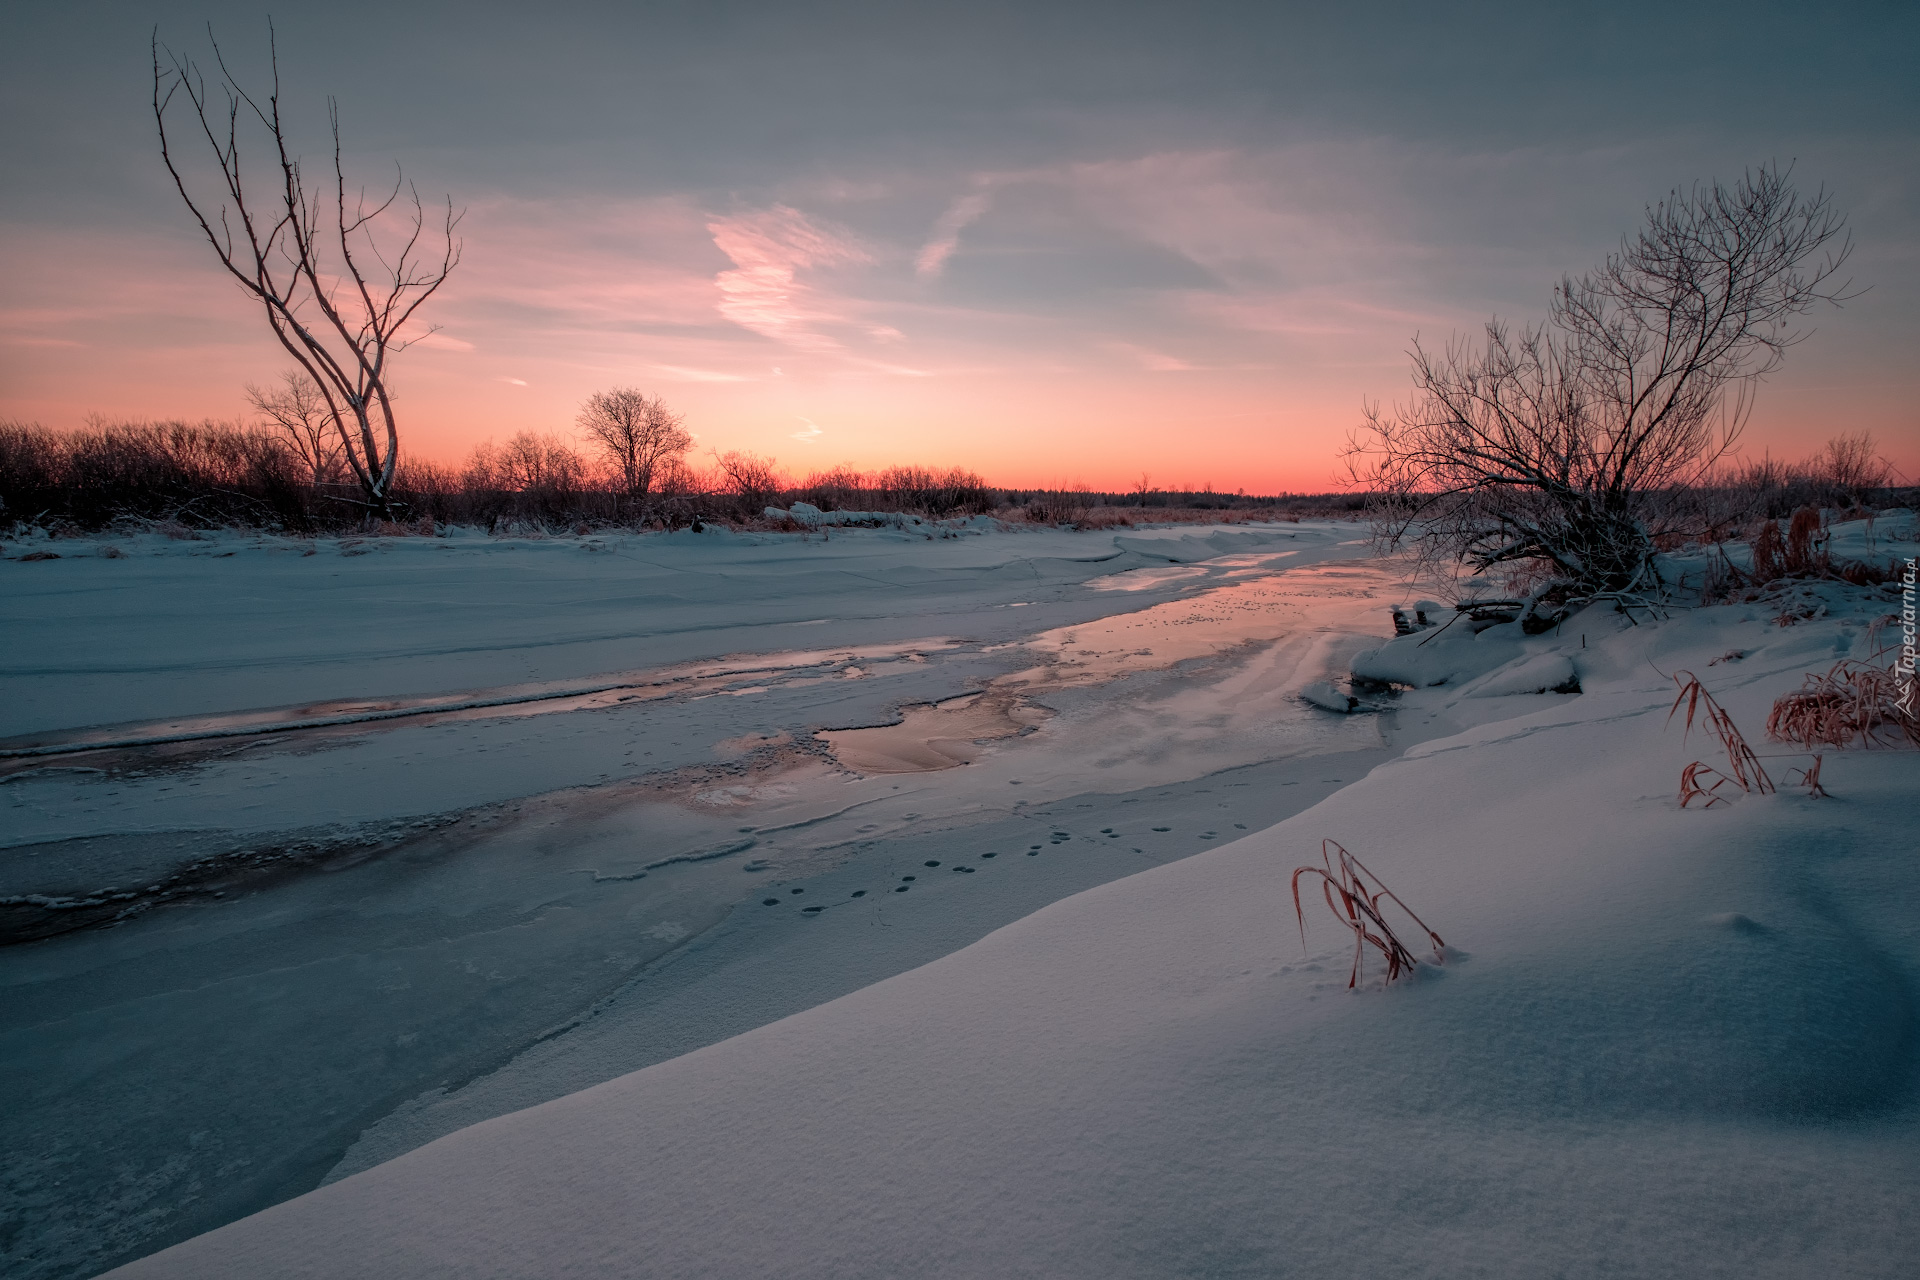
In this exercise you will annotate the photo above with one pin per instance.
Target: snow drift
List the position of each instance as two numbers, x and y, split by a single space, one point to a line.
1671 1042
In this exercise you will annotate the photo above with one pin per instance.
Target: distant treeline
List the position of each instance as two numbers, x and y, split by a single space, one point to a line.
132 475
213 474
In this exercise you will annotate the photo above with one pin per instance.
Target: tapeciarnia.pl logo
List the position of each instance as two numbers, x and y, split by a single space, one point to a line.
1904 667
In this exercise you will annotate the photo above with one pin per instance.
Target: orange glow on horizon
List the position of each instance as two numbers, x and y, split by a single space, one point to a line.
791 335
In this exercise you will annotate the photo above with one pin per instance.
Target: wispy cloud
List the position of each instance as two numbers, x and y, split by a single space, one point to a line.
764 292
812 433
681 373
1155 361
940 246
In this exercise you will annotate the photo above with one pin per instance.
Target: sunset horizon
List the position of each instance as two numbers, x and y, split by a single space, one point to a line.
877 639
1205 280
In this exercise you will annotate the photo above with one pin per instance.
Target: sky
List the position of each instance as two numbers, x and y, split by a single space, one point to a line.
1060 243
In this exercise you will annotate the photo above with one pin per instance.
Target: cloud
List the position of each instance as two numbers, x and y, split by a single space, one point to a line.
763 291
946 233
684 374
1155 361
896 370
514 382
812 433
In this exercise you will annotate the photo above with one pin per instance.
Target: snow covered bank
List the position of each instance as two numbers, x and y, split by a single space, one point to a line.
1670 1041
351 923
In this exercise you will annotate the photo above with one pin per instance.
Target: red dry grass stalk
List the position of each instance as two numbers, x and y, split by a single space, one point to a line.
1801 532
1692 779
1743 767
1852 701
1769 553
1809 778
1354 895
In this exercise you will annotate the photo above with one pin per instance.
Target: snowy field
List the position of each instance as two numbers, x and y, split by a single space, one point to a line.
525 843
946 928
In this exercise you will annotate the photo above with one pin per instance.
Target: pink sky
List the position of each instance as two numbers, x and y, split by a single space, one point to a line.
1211 316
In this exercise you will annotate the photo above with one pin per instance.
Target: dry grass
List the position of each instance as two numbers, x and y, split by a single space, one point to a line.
1809 778
1802 531
1851 702
1701 781
1354 895
1743 766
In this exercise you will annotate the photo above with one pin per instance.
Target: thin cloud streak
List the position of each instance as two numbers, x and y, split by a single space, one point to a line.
933 255
763 292
680 373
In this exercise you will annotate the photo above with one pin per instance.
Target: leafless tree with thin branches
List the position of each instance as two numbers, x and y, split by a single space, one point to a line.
297 414
753 480
338 299
1554 447
636 433
1852 467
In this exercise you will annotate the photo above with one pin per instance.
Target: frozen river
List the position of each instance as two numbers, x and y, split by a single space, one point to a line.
562 809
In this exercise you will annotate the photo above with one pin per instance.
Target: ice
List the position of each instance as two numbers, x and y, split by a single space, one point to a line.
336 923
1608 1076
1023 994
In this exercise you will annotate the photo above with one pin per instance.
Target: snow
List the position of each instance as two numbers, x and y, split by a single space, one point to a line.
1665 1041
812 517
335 944
1535 673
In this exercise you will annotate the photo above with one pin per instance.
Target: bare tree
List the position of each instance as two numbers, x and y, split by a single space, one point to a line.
839 487
751 479
335 298
1852 468
297 414
637 433
1556 447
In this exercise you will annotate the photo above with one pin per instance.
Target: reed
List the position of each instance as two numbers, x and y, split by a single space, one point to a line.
1354 895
